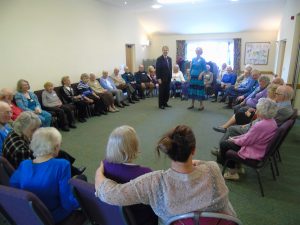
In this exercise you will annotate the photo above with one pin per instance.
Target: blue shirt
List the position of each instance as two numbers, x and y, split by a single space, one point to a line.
229 78
3 134
49 181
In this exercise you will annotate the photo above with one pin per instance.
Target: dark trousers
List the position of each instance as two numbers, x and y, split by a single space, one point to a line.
224 147
99 104
81 106
163 93
64 114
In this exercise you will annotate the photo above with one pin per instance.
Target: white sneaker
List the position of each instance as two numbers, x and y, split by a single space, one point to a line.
231 176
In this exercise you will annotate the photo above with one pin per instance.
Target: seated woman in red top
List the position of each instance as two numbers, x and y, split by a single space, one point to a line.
122 148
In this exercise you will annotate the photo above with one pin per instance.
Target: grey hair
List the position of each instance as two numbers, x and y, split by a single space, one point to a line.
266 108
265 79
24 120
122 145
45 141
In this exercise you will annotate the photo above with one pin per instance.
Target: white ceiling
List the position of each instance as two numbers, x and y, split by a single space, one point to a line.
205 16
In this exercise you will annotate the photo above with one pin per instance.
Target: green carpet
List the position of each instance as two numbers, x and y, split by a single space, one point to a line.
282 197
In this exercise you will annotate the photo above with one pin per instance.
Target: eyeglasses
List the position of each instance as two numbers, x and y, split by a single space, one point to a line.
278 93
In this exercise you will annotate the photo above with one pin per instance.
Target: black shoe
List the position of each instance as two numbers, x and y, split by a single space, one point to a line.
82 120
162 107
103 112
131 101
222 100
191 107
135 99
119 105
65 129
166 105
220 129
72 126
124 104
215 152
97 114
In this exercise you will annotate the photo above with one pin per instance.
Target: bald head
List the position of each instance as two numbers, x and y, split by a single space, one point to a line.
5 113
6 95
284 93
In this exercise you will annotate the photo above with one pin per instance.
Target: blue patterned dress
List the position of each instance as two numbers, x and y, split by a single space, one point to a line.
196 88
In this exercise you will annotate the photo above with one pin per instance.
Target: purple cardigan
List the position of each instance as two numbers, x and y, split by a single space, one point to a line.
252 101
254 142
123 173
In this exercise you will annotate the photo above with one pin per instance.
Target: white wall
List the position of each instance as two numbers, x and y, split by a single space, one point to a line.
157 41
290 31
44 40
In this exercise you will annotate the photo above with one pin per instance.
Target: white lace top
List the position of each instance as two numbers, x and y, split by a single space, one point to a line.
170 193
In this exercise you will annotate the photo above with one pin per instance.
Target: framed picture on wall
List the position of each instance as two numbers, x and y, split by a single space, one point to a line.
257 53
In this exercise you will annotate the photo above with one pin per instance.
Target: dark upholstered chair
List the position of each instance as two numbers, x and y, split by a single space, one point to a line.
22 208
286 127
204 218
97 211
6 170
257 165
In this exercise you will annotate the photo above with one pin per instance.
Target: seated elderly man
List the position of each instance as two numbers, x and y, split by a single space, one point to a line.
107 97
131 82
108 84
284 94
5 117
248 85
122 85
6 95
244 112
228 79
144 81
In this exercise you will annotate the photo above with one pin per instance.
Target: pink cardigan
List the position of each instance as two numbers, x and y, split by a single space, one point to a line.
254 142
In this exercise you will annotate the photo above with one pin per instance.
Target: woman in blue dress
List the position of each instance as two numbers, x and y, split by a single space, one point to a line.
196 88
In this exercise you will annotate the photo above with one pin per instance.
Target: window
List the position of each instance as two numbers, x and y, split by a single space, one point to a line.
219 51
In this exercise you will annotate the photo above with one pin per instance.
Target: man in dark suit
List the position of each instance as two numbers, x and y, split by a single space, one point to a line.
164 75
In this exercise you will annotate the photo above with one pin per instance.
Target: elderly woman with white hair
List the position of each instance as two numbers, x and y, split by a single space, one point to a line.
16 145
46 176
177 80
122 149
253 144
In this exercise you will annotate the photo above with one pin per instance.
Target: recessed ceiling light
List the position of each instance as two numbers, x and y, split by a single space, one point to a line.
125 3
156 6
234 0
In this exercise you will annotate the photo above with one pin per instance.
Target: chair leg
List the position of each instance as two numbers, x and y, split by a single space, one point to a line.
279 156
260 184
224 167
276 166
272 169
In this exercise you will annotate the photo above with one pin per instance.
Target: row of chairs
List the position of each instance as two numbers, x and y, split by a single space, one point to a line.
22 207
272 153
